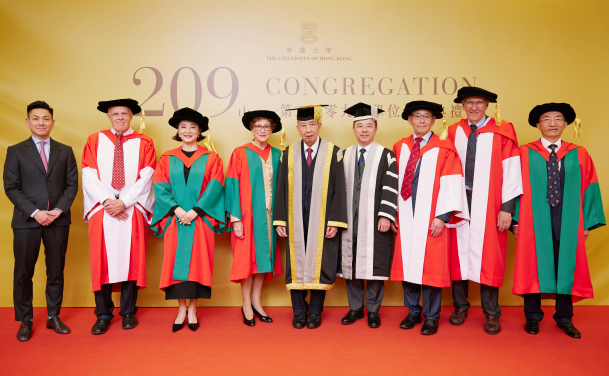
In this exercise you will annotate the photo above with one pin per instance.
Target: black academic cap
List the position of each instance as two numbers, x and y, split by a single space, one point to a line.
564 108
307 112
434 108
251 115
472 91
190 115
104 106
362 111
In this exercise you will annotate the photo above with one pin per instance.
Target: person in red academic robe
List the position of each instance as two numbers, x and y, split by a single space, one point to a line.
189 211
117 169
489 154
430 193
561 203
251 181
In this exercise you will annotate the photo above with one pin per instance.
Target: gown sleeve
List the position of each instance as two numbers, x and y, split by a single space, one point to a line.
338 210
165 203
594 216
389 197
280 214
212 199
232 195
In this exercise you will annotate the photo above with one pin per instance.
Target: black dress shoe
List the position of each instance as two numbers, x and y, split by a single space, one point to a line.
129 322
261 317
177 327
570 329
60 327
531 326
299 321
374 320
25 331
352 316
194 326
410 321
430 327
247 322
100 326
313 321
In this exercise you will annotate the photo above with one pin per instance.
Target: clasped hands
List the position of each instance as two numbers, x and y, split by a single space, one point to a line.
330 231
46 217
116 209
185 217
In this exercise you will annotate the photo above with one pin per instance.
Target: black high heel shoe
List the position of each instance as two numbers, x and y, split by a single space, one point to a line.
194 326
260 316
177 327
247 322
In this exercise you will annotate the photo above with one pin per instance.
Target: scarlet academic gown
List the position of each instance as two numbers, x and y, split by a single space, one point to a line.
420 258
246 200
477 248
189 249
117 249
534 270
311 264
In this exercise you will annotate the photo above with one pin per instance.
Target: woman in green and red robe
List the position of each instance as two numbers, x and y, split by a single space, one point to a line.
188 212
251 179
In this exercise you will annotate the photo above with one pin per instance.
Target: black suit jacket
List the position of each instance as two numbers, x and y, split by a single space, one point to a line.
29 187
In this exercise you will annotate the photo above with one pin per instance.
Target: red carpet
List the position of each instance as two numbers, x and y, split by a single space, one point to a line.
224 346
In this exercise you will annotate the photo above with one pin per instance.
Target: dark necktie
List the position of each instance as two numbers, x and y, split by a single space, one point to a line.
470 157
554 194
118 168
309 156
361 163
411 166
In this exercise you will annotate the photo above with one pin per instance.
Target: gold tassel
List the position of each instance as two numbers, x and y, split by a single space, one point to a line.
444 134
497 115
208 143
282 144
142 124
318 112
577 126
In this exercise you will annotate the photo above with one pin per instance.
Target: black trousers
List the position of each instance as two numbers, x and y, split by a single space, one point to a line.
26 247
432 300
104 306
564 303
489 295
489 298
300 305
564 308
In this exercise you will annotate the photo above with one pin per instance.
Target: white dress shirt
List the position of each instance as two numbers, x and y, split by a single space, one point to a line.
546 144
314 148
359 148
424 141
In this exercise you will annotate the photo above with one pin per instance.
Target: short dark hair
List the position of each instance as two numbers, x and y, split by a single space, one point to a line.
39 104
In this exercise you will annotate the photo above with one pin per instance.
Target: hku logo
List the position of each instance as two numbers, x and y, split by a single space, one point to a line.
309 32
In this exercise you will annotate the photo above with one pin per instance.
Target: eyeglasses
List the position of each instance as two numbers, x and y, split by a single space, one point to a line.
259 128
470 104
548 120
419 117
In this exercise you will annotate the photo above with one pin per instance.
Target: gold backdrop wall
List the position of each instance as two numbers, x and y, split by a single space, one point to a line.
224 57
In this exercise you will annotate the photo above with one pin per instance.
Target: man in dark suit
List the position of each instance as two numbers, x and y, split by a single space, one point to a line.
41 180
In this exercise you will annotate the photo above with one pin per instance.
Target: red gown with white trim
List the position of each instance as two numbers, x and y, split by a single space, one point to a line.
420 258
477 248
117 249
